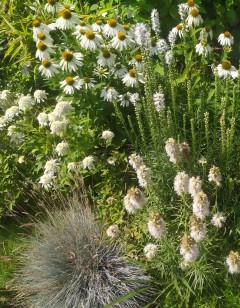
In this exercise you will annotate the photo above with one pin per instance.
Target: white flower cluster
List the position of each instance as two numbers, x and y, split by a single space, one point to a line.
50 168
173 150
113 231
159 101
215 175
150 251
142 171
188 249
134 200
233 262
156 225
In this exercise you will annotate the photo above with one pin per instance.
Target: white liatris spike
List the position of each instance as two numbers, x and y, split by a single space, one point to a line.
172 150
197 228
181 183
155 21
156 225
189 249
218 220
172 37
150 251
144 176
201 205
135 161
113 231
184 150
134 200
142 35
195 185
159 101
233 262
169 57
215 175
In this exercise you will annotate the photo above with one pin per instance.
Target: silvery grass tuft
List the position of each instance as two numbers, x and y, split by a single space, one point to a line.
70 263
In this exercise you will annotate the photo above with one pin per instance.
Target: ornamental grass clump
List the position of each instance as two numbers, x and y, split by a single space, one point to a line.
70 263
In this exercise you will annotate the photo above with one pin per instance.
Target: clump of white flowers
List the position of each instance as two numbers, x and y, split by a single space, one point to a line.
113 231
158 100
215 175
143 172
72 166
156 225
107 135
40 96
62 148
195 185
134 200
172 150
88 162
150 251
135 161
201 205
189 249
181 183
218 220
197 228
47 180
233 262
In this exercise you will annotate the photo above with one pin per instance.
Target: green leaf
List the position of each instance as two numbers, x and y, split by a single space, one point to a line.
94 7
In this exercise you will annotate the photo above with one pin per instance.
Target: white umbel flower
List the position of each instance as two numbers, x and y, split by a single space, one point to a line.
70 84
40 96
52 116
155 21
47 180
226 39
195 185
43 51
71 61
42 119
52 6
91 41
135 161
134 200
67 19
112 28
156 225
218 220
159 101
62 148
215 175
181 183
132 77
88 162
109 94
25 102
225 69
113 231
106 58
201 205
48 69
51 166
189 249
233 262
150 251
197 228
107 135
194 19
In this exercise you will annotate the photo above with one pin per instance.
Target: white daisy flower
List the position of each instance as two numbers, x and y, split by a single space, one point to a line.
124 99
203 48
87 83
226 39
112 28
69 84
109 94
62 148
225 69
67 19
121 41
106 58
119 70
42 37
128 29
178 30
43 51
137 62
101 72
107 135
91 40
11 112
81 29
72 166
150 251
71 61
52 6
58 127
88 162
47 180
39 27
48 68
194 19
51 166
97 26
40 96
42 119
130 79
63 108
218 220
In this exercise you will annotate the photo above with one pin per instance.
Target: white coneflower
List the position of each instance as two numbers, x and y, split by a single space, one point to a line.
178 30
134 98
137 62
130 79
119 70
71 61
169 57
201 205
195 185
190 4
153 48
155 21
48 68
172 37
81 31
215 175
134 200
189 249
106 58
218 220
62 148
107 135
87 83
124 99
11 112
109 94
197 228
52 6
159 101
113 231
225 69
142 35
69 84
226 39
144 176
183 11
121 41
39 27
97 26
51 166
172 150
129 30
203 48
88 162
112 28
63 108
156 225
233 262
42 119
194 19
58 127
181 183
209 32
47 180
25 102
40 96
72 166
42 37
67 19
91 40
135 161
101 72
43 51
150 251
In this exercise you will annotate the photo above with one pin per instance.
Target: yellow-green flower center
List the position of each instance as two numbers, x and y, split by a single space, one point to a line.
90 34
98 21
126 27
65 13
52 2
41 36
226 65
106 53
194 12
82 23
203 42
112 23
67 56
36 23
179 27
42 46
190 3
46 63
132 72
69 81
118 66
121 36
86 80
138 58
82 31
227 34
